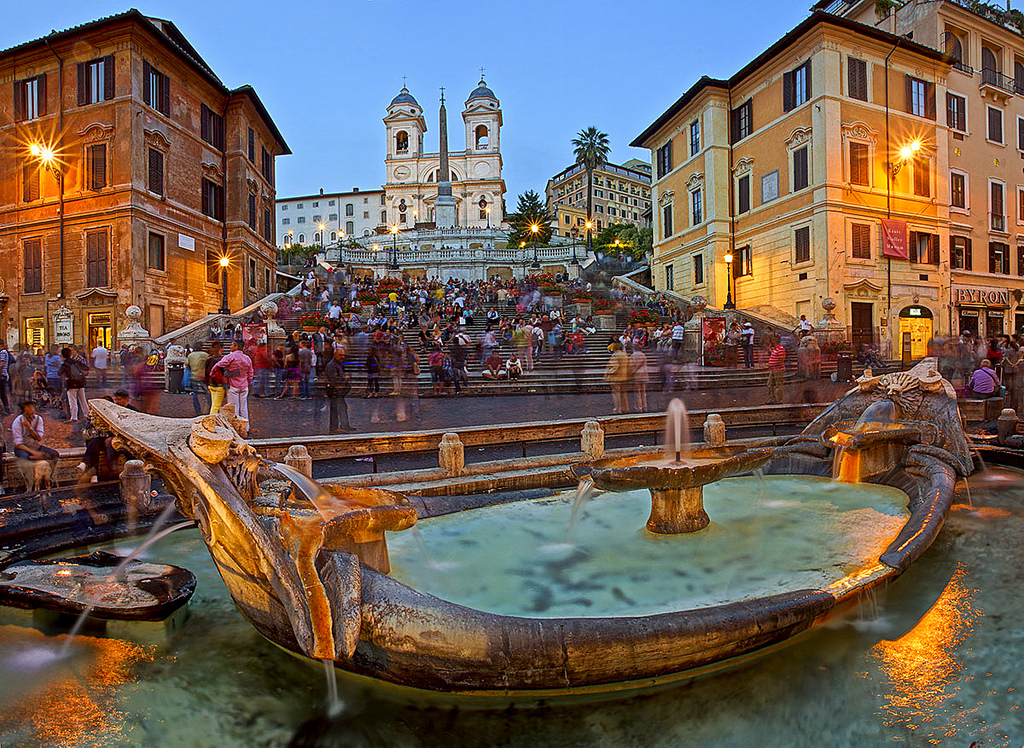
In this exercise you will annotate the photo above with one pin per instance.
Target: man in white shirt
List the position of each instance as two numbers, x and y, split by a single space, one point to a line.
747 335
334 312
100 360
28 433
678 336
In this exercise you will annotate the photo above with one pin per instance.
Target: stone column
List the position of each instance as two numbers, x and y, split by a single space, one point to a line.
1007 424
136 485
299 459
592 440
451 454
714 430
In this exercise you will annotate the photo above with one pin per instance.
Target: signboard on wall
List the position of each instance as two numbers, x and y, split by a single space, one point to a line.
981 296
712 335
894 239
63 326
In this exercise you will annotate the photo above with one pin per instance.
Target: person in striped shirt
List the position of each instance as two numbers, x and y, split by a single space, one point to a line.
776 370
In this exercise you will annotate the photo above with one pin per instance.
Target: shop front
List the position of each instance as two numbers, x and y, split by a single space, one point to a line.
916 329
981 310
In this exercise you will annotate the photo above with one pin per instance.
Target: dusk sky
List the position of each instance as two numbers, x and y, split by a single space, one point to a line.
327 71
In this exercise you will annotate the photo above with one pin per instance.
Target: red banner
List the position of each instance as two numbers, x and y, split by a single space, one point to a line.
894 239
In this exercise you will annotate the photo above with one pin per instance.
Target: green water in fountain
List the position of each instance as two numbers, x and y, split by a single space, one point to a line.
938 664
785 534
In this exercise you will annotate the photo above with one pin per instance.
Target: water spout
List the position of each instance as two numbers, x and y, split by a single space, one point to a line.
584 490
677 430
329 506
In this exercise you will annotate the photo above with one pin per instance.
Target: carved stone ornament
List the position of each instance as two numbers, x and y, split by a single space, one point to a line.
269 311
213 170
666 197
744 166
906 389
253 186
95 132
798 137
157 139
695 181
133 331
859 131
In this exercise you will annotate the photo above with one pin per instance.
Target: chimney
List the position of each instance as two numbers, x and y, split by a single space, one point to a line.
321 190
355 189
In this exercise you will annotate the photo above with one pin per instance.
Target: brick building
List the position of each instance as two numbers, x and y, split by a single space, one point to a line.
165 170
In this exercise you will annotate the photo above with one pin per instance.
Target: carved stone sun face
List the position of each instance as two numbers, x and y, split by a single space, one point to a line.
903 389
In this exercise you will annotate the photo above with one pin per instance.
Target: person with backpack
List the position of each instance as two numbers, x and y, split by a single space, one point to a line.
73 371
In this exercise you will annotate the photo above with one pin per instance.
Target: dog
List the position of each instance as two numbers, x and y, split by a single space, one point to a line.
36 474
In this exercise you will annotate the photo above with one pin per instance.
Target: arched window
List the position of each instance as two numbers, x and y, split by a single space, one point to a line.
334 236
350 210
481 136
953 46
401 142
988 60
302 238
350 228
316 238
366 232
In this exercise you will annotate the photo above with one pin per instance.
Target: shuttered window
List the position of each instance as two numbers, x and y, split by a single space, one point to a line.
743 194
796 87
30 98
962 256
857 78
859 163
252 211
30 182
33 266
995 124
252 145
156 172
741 121
96 259
956 112
922 177
96 80
268 166
997 211
923 248
664 157
998 258
666 221
800 174
744 264
212 127
97 164
920 97
958 190
698 273
213 200
268 225
156 89
802 239
860 240
156 259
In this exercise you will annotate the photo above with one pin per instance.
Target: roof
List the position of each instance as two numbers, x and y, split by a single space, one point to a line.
320 195
404 97
816 18
481 92
171 37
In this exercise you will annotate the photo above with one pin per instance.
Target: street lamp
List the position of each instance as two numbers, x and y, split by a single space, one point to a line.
535 229
323 235
48 160
224 262
728 282
487 210
618 251
394 247
589 227
575 235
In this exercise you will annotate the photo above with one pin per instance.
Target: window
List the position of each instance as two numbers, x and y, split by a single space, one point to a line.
211 127
961 253
285 221
252 146
156 259
743 194
796 87
998 258
30 182
330 203
957 190
922 177
856 78
1020 260
252 211
956 112
334 236
96 163
301 219
698 269
670 278
156 89
666 221
96 80
96 259
350 227
266 280
802 242
156 172
30 98
923 248
401 141
383 216
664 159
742 121
332 217
213 200
860 241
920 97
1020 204
997 211
383 199
697 206
859 163
1018 77
213 269
800 174
695 137
268 225
1020 132
995 124
743 264
989 66
33 266
350 209
481 136
252 272
302 238
267 165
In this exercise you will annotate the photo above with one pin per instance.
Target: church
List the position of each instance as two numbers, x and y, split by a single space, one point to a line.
415 177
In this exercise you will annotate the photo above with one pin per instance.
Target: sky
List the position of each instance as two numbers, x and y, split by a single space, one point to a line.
327 71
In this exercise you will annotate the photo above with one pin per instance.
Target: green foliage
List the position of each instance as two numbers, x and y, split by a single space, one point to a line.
299 253
884 7
633 242
591 148
530 211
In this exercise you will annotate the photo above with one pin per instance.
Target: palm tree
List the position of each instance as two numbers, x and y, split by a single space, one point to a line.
591 148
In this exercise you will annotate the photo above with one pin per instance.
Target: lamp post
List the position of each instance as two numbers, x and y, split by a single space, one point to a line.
394 248
535 229
224 262
575 234
323 234
487 210
589 225
618 249
728 282
48 160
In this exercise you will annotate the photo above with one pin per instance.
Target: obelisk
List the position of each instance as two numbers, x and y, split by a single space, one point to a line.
445 209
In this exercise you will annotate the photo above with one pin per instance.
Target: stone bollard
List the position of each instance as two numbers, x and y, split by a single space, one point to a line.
714 430
299 459
1007 424
451 455
592 440
136 484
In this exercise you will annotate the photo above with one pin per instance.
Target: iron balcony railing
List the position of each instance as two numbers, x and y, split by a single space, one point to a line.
991 77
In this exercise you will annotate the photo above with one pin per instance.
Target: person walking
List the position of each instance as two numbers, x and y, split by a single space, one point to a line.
237 368
617 375
305 369
197 371
100 361
73 372
638 365
678 336
339 384
776 371
747 338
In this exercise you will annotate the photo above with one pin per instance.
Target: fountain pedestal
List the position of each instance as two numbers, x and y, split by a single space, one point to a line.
677 510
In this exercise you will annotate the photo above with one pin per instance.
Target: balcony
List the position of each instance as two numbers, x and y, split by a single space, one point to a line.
993 79
963 67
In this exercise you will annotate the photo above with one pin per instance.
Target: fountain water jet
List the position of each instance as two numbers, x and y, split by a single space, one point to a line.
677 430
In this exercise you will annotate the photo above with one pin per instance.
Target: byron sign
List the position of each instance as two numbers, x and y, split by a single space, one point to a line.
980 296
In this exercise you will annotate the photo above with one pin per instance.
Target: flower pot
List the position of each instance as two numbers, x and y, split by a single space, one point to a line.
604 321
309 328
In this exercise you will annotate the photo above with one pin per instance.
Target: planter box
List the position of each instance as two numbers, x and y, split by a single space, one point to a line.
604 321
368 310
556 301
584 310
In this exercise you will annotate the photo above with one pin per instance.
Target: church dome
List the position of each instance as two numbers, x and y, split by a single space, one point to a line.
481 92
404 97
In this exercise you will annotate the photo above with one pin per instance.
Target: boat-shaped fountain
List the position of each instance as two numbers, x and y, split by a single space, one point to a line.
309 565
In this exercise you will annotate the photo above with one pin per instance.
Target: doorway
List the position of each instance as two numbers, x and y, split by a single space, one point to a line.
862 329
994 324
916 323
969 319
99 331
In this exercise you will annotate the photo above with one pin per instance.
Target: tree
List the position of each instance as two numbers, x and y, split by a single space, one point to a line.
633 242
591 148
530 211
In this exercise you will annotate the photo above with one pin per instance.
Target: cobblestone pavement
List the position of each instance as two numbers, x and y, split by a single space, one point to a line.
304 417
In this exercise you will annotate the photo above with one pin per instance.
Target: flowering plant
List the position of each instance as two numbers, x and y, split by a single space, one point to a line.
714 354
367 297
643 317
579 297
603 306
314 319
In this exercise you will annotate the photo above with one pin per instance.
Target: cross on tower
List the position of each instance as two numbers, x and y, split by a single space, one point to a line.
442 94
481 72
403 82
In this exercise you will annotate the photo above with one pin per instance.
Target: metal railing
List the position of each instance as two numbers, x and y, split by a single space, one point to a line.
991 77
